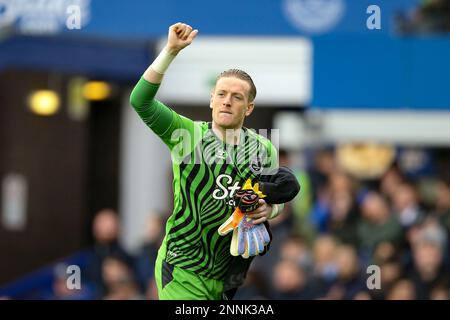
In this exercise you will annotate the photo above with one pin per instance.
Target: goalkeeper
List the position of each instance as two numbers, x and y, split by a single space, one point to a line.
211 163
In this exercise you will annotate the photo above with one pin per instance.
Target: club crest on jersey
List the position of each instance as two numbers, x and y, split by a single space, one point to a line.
221 154
255 165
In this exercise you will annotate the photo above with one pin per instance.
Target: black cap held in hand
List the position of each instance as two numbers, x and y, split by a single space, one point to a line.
280 187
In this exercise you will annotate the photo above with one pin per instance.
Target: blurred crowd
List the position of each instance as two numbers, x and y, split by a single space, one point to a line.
110 272
323 242
339 226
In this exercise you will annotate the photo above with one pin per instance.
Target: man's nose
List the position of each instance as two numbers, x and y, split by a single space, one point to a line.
227 101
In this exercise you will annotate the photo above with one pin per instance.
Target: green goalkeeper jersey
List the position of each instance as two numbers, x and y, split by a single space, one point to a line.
207 172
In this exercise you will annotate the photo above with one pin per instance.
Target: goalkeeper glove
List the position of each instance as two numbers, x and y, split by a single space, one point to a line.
248 239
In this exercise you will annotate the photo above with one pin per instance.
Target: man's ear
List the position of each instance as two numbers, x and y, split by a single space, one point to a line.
211 100
250 108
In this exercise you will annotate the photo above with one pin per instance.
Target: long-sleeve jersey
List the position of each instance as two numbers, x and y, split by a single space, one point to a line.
207 172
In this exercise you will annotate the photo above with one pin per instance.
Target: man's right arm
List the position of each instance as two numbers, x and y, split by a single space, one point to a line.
158 117
180 36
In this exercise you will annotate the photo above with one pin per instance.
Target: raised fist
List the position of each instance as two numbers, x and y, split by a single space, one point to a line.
180 36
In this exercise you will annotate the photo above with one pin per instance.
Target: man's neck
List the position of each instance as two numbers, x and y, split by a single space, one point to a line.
230 136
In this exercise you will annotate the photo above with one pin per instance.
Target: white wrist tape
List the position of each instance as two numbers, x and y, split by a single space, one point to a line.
275 211
162 62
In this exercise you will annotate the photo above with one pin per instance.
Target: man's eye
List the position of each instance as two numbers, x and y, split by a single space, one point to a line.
238 97
220 94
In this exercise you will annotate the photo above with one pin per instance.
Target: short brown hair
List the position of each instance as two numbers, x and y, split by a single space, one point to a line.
236 73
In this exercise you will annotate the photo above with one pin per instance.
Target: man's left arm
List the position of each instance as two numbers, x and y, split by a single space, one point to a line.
280 186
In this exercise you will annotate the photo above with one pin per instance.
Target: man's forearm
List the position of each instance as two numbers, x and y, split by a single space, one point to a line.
152 76
180 35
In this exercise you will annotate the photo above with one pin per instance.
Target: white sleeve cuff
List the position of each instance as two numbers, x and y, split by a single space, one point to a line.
276 210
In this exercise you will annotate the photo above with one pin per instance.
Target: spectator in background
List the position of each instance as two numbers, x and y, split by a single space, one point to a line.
325 269
377 224
343 215
390 271
402 290
105 230
390 181
296 250
335 210
290 282
152 290
389 258
362 295
293 249
321 210
254 287
146 257
119 279
385 251
428 271
60 289
443 203
406 205
324 165
440 292
350 279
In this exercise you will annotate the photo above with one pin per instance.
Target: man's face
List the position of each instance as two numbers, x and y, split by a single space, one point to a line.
230 102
